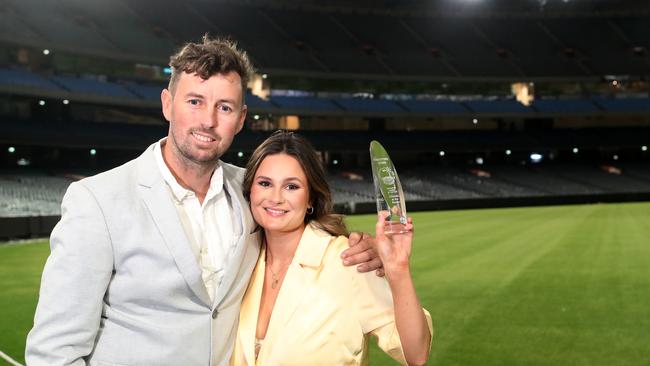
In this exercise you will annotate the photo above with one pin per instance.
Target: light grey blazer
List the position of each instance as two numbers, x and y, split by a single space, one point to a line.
122 285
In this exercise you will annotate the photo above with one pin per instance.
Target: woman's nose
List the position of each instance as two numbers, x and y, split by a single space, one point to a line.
278 197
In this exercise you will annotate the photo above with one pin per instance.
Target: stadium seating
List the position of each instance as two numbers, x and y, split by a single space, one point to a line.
79 85
305 104
367 105
461 64
316 105
31 194
256 103
504 181
497 106
629 105
23 78
35 194
433 106
147 92
573 105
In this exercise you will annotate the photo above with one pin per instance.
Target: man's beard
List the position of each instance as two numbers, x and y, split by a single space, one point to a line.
189 153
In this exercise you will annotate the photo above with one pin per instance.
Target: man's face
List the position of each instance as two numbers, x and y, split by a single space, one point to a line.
204 116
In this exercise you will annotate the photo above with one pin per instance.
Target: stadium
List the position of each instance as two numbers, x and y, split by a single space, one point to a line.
519 128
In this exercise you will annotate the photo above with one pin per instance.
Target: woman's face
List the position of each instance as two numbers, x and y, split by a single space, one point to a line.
280 194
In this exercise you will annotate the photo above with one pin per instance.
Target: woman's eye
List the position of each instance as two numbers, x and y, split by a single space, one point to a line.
263 183
292 186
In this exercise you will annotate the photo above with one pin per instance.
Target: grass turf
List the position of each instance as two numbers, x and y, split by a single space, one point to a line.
563 285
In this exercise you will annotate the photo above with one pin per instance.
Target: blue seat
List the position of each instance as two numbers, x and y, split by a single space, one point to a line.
254 102
25 78
497 106
144 91
78 85
434 106
368 105
565 106
305 103
631 105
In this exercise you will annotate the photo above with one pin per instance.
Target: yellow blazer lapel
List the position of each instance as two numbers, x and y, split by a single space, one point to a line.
298 282
250 309
288 301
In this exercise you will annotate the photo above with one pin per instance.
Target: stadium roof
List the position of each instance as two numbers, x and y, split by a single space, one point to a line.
388 39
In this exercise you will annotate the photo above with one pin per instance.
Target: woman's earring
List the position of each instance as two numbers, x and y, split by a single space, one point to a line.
310 210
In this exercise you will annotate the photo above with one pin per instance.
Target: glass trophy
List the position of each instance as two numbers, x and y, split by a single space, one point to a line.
388 189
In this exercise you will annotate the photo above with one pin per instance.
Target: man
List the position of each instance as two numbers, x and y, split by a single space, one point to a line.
151 259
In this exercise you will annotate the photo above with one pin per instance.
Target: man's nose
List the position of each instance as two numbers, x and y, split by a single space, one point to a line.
211 119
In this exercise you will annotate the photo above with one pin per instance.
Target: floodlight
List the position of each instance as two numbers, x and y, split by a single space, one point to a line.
66 102
441 153
240 154
479 160
41 102
575 150
11 149
536 157
644 148
508 152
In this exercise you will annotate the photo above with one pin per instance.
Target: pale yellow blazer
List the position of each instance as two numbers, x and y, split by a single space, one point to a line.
324 311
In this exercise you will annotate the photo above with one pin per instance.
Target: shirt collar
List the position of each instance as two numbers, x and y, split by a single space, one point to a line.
179 192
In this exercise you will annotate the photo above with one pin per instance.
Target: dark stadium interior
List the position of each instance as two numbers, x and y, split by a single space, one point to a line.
438 83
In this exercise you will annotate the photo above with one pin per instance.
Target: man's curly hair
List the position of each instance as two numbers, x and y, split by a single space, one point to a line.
210 57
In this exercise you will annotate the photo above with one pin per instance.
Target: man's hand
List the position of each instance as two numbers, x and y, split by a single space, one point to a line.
362 252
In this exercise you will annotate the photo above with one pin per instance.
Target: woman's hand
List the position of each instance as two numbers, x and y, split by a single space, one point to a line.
394 249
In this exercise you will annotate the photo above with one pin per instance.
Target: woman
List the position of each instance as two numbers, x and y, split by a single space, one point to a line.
302 306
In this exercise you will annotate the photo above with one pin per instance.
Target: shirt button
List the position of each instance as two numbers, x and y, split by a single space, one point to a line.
214 314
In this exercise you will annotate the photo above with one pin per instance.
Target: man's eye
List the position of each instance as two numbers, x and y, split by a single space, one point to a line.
194 101
225 108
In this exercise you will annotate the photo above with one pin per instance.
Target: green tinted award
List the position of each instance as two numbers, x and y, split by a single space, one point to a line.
388 189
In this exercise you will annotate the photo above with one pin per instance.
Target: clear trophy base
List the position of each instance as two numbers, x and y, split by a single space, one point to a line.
394 227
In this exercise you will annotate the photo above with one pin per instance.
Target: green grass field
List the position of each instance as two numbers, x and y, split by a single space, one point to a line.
566 285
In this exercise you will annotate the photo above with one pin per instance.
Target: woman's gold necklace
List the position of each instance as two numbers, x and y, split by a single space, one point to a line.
275 277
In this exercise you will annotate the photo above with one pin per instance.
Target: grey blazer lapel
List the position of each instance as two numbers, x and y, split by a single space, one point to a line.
158 201
245 256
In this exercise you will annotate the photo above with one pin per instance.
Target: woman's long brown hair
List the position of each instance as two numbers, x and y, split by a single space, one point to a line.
320 196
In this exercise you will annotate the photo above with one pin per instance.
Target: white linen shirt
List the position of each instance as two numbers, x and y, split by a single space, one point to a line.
210 227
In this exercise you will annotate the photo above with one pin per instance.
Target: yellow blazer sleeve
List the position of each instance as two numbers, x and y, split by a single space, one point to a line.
374 305
388 339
